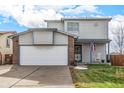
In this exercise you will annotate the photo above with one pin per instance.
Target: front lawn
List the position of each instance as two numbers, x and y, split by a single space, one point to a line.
99 76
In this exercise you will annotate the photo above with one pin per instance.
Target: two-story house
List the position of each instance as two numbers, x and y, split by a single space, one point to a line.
92 33
63 42
6 46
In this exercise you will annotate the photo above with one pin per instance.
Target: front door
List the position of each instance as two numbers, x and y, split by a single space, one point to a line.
78 53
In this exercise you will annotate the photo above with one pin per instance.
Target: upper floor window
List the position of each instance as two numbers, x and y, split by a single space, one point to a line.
7 43
72 26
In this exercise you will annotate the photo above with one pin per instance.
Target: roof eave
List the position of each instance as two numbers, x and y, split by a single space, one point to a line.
53 20
44 29
108 19
96 41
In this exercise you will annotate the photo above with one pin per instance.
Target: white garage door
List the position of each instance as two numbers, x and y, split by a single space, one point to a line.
43 55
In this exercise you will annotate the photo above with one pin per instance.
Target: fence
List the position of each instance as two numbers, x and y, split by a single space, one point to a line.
117 60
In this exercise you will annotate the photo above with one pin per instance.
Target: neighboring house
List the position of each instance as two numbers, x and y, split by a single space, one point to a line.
92 42
6 46
43 46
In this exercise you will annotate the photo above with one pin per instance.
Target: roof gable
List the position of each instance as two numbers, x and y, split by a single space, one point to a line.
44 29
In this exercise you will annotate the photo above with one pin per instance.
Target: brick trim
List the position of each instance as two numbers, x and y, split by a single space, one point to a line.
71 57
15 50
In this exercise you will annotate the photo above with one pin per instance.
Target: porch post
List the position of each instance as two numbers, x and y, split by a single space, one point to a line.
108 53
90 54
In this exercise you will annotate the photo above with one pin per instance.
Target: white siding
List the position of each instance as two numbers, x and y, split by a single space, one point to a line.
93 30
100 50
90 29
26 38
60 38
58 25
43 37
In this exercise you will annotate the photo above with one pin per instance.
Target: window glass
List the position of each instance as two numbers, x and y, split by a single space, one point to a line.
72 26
7 43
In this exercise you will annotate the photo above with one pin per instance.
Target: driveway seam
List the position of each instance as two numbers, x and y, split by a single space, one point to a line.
24 77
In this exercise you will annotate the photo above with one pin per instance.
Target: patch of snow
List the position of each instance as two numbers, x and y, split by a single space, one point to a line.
80 67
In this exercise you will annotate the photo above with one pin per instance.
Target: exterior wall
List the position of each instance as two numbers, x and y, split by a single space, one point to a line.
100 52
71 57
60 38
58 25
26 38
88 28
15 50
43 37
3 49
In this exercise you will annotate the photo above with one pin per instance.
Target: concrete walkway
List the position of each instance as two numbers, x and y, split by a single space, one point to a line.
35 76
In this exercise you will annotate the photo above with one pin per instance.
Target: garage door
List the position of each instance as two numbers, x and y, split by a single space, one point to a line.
43 55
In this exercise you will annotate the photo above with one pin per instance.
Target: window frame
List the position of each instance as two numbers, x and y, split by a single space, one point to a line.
71 27
7 42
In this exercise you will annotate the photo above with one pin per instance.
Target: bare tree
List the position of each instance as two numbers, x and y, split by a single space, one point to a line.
118 39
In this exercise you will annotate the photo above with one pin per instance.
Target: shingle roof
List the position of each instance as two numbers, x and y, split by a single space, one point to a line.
88 18
7 31
81 18
88 41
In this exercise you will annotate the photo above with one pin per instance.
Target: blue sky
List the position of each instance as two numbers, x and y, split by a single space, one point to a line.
111 10
21 17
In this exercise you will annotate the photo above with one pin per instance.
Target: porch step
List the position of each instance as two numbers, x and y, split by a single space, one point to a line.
83 63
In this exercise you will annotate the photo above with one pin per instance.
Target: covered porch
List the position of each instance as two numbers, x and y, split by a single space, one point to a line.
91 51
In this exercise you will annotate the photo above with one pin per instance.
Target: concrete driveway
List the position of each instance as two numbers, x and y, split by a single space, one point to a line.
35 76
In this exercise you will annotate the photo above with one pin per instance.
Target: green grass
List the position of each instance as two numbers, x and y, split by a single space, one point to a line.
99 76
